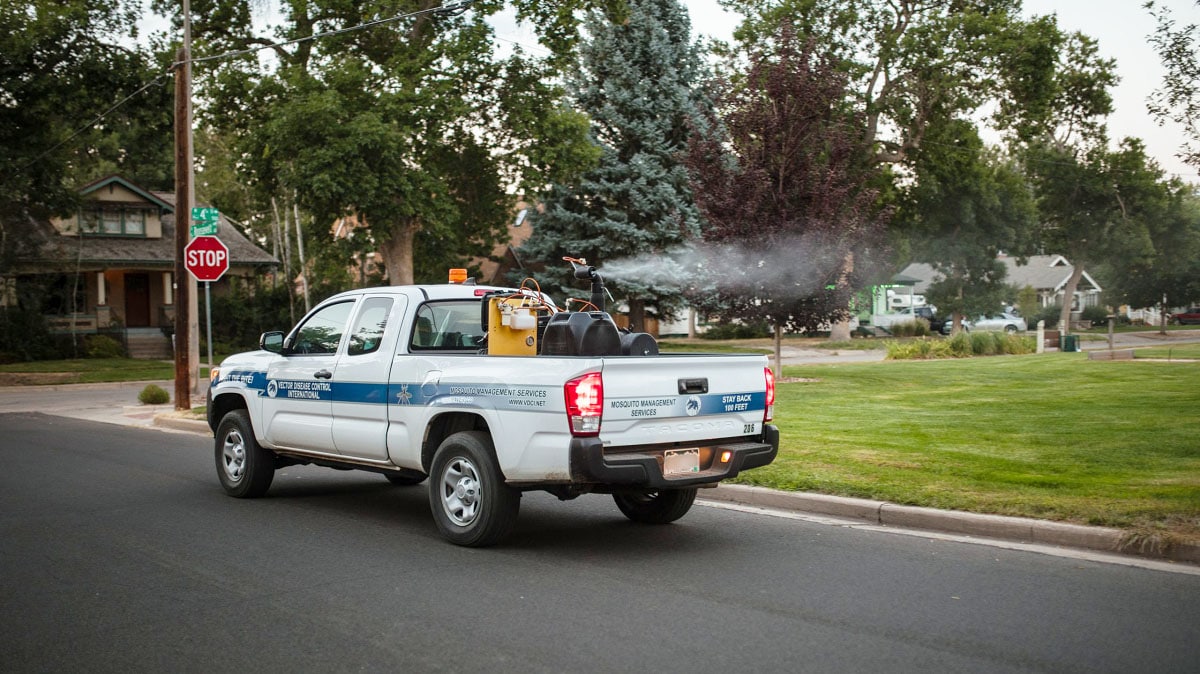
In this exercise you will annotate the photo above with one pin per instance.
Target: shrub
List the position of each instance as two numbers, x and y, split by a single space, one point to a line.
1097 315
153 395
913 328
982 344
102 346
737 331
960 345
1048 314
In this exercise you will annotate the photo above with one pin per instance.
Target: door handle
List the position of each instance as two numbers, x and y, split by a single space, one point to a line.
323 374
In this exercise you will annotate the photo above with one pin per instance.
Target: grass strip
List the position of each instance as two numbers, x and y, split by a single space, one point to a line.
1053 436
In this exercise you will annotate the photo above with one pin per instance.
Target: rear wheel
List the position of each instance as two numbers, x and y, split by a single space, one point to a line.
471 504
244 468
655 507
1010 329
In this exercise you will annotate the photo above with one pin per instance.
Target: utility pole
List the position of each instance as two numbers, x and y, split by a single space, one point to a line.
183 210
185 298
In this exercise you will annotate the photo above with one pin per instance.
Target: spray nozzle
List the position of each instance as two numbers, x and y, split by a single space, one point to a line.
585 272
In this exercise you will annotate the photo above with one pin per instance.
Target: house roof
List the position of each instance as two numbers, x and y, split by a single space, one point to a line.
129 185
44 249
1042 272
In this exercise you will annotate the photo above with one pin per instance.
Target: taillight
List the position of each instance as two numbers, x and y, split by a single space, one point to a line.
585 402
769 412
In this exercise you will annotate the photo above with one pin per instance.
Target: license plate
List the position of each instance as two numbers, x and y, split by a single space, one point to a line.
677 461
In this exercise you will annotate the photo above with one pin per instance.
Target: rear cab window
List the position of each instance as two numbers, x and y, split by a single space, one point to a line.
451 325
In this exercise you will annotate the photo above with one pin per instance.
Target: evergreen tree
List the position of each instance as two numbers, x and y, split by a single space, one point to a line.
637 78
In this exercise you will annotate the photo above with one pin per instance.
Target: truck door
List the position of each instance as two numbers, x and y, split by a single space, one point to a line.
360 416
298 405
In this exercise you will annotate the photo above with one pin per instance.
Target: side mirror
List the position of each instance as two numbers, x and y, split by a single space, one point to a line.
271 341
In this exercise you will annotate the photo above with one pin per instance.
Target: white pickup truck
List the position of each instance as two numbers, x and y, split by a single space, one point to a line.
413 381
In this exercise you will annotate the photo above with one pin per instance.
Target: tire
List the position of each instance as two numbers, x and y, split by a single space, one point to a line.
472 506
406 477
244 468
1010 329
655 507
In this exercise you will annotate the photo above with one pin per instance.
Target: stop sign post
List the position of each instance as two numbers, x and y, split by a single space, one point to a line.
206 258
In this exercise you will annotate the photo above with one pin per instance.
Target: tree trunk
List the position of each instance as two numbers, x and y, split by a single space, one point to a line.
840 330
300 250
637 315
1064 316
397 252
778 352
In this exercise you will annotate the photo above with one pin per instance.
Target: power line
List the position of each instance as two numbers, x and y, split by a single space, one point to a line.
99 118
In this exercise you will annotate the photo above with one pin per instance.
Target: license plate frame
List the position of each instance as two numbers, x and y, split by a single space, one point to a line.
681 461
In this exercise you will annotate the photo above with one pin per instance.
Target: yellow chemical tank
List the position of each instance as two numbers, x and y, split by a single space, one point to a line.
512 326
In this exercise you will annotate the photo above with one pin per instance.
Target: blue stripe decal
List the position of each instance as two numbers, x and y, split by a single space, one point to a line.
490 396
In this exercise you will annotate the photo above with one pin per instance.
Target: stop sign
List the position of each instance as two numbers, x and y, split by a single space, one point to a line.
206 258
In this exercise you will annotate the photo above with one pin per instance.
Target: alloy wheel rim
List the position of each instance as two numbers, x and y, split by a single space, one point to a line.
461 491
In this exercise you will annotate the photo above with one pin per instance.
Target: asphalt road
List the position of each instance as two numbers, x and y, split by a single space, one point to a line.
119 552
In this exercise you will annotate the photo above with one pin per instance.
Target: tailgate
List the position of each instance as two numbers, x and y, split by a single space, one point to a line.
685 398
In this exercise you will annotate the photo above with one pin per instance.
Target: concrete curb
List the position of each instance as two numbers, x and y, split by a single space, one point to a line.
1021 529
187 422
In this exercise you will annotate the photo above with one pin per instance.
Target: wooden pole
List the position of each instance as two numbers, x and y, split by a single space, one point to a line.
183 217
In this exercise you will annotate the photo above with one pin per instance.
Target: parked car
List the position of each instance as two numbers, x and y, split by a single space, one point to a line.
1188 317
1006 321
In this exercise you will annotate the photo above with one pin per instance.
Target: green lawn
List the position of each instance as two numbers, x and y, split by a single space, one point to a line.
1052 436
1169 351
89 370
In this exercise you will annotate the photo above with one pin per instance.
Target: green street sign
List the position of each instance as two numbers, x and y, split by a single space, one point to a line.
205 214
204 222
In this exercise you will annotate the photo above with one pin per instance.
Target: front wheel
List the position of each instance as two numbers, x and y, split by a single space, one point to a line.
1010 329
244 468
655 507
471 504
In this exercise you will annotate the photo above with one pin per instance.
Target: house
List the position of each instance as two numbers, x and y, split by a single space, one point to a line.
110 267
1046 274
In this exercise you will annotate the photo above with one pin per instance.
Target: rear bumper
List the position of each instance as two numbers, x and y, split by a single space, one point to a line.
642 467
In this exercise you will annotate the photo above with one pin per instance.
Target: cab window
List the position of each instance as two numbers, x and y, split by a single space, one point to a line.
447 326
322 332
368 329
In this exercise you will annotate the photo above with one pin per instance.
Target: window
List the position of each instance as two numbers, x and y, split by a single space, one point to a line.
322 332
368 330
447 326
113 221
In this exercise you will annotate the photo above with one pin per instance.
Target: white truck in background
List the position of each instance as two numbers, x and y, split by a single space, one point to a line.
489 392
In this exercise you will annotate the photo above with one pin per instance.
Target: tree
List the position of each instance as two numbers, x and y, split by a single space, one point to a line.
638 80
62 65
1170 276
786 192
965 206
911 65
1178 99
412 126
1095 206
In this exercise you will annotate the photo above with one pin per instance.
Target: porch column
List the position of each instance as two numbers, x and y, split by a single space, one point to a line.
101 294
168 288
